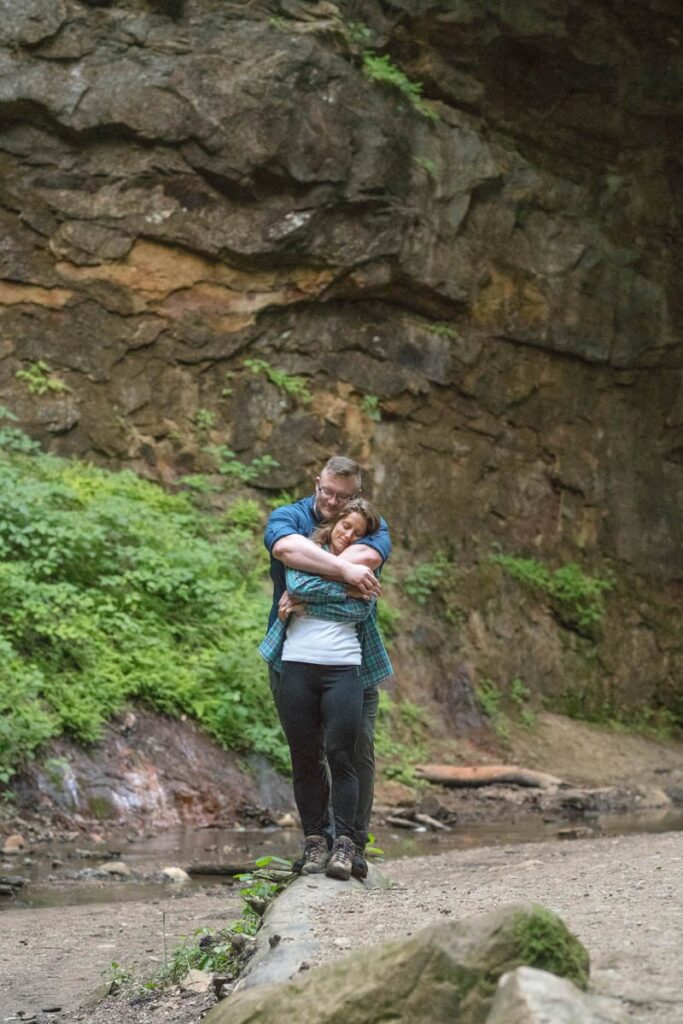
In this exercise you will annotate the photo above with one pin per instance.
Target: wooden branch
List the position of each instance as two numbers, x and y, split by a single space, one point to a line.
485 775
220 869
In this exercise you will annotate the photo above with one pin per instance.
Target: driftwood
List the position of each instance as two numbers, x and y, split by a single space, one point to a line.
220 869
485 775
414 819
392 819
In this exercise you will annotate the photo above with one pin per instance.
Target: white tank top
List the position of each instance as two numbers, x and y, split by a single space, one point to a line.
320 642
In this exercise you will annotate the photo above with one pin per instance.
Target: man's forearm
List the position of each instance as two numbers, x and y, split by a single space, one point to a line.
301 553
362 554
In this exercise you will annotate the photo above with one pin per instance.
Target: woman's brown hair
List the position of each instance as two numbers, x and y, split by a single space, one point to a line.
372 521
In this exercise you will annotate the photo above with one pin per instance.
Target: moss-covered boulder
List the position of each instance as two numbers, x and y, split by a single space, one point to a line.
444 973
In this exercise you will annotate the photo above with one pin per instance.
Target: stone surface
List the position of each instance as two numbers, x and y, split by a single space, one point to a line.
445 972
196 981
179 193
286 939
530 996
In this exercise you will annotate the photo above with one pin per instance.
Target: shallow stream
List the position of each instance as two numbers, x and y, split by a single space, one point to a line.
49 871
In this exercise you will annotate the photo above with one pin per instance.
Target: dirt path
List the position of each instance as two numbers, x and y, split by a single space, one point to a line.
621 896
57 956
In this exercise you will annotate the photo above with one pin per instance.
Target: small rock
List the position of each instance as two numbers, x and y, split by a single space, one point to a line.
286 821
7 890
342 942
527 995
116 867
175 875
16 881
579 832
195 981
14 844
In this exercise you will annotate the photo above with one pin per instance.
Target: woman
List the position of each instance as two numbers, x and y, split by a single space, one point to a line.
327 652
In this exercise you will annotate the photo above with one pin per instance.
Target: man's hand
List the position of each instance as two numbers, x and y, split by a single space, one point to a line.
362 578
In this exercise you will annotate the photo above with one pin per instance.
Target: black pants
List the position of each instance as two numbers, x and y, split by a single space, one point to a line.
321 706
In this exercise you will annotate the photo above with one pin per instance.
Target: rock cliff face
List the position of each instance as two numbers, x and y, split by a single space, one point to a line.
479 287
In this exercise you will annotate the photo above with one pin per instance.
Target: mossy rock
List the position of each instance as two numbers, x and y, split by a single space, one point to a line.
444 973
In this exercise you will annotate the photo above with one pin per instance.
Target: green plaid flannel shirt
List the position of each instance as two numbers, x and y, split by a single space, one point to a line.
326 599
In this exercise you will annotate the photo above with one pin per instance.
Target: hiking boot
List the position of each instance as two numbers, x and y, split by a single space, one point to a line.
316 855
359 866
341 858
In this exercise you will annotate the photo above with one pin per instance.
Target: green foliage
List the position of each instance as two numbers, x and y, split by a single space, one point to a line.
40 379
288 383
600 707
520 696
426 577
577 599
204 419
370 406
388 620
400 737
382 69
489 697
227 464
427 164
442 329
112 589
546 943
359 33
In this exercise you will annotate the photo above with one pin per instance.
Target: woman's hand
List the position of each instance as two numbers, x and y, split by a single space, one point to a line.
288 606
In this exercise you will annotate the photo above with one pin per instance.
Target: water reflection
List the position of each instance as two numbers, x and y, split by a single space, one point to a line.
238 848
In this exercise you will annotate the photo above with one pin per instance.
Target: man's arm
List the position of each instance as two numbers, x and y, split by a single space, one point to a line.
301 553
363 554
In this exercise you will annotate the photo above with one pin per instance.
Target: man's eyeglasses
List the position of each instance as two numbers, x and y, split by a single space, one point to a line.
331 495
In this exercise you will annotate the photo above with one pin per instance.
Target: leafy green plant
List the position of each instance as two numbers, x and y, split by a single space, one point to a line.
427 164
400 737
111 590
578 599
40 379
204 419
12 439
520 696
288 383
489 697
425 578
370 406
388 620
381 69
227 464
443 329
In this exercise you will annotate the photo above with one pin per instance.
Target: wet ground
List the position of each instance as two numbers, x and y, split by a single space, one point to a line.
55 873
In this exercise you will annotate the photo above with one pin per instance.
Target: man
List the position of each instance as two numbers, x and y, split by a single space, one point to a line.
286 538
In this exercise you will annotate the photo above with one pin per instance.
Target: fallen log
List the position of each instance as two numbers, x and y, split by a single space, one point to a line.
402 822
426 819
485 775
220 869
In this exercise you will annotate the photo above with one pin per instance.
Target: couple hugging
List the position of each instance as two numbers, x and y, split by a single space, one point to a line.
326 658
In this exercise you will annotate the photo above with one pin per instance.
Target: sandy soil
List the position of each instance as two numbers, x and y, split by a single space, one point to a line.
620 895
58 956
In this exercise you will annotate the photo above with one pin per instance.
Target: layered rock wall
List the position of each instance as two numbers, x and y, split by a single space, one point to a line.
480 287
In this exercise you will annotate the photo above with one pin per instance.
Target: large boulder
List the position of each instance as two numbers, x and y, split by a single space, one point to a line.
444 973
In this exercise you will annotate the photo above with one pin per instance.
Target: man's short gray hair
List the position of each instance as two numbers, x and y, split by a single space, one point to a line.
339 465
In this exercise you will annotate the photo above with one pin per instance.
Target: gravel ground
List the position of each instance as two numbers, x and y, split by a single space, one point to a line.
621 896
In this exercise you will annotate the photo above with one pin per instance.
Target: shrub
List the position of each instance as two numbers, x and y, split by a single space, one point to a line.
577 599
112 589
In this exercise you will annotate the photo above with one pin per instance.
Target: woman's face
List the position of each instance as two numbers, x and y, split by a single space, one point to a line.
349 528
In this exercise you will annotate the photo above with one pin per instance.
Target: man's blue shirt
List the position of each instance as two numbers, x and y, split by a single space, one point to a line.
301 517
